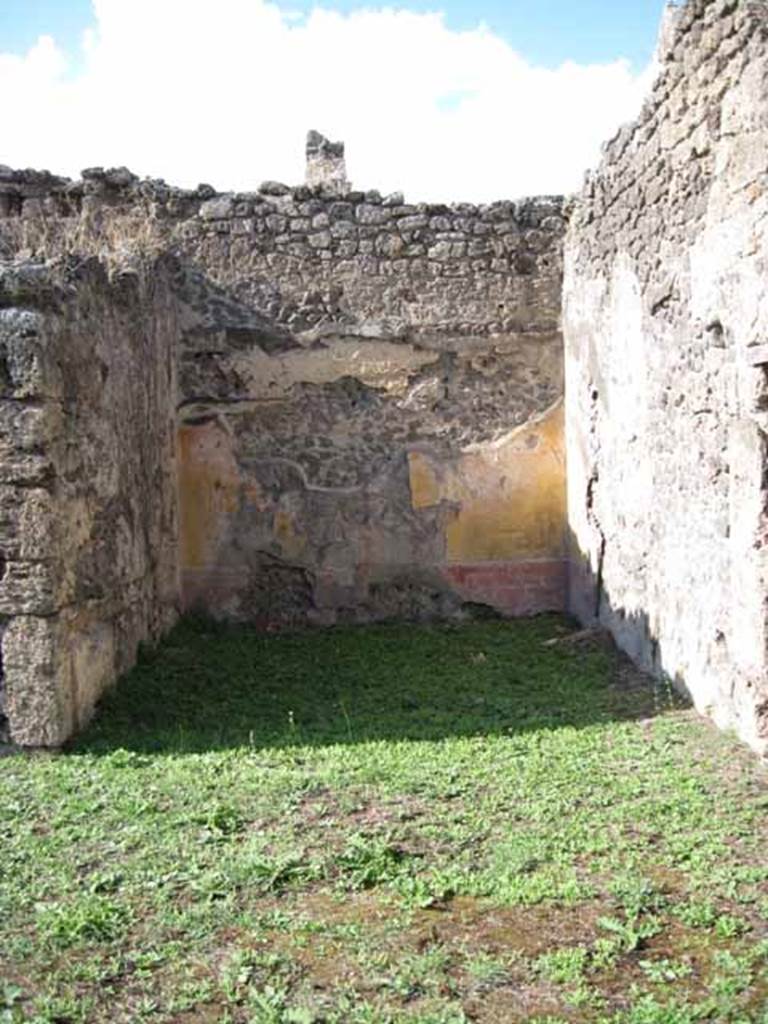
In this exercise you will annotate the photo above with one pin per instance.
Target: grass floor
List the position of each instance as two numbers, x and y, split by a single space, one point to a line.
429 825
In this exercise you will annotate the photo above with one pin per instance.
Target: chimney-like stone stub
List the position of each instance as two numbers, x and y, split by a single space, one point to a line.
326 165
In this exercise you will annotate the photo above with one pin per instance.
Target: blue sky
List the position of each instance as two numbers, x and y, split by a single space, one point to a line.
551 31
547 32
23 21
224 91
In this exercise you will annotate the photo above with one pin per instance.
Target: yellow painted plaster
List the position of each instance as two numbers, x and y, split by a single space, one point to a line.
212 489
292 542
209 490
509 497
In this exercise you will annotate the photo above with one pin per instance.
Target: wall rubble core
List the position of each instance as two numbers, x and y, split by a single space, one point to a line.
665 316
346 408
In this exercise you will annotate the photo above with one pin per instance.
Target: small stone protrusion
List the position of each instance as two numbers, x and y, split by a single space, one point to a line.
326 166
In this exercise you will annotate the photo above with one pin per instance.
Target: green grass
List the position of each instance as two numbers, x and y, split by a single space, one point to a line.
380 825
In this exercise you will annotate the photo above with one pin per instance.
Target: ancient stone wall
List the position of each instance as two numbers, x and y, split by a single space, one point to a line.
666 322
351 464
88 508
369 415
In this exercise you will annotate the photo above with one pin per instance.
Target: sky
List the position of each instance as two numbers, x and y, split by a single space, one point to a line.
442 99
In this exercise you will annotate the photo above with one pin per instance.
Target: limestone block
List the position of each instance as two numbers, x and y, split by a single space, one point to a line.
36 682
217 209
29 523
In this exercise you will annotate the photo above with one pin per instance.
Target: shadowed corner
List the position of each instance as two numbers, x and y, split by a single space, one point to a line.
216 687
590 602
702 666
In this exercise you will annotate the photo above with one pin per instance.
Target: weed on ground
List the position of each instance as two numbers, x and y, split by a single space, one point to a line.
430 825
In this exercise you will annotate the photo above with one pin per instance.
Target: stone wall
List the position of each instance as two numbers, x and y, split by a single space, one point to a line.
88 509
666 322
348 463
369 415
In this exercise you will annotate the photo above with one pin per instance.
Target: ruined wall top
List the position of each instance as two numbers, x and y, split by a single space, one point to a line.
307 257
31 193
703 49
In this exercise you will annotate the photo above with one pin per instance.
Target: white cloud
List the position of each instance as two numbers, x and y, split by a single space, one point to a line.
194 91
